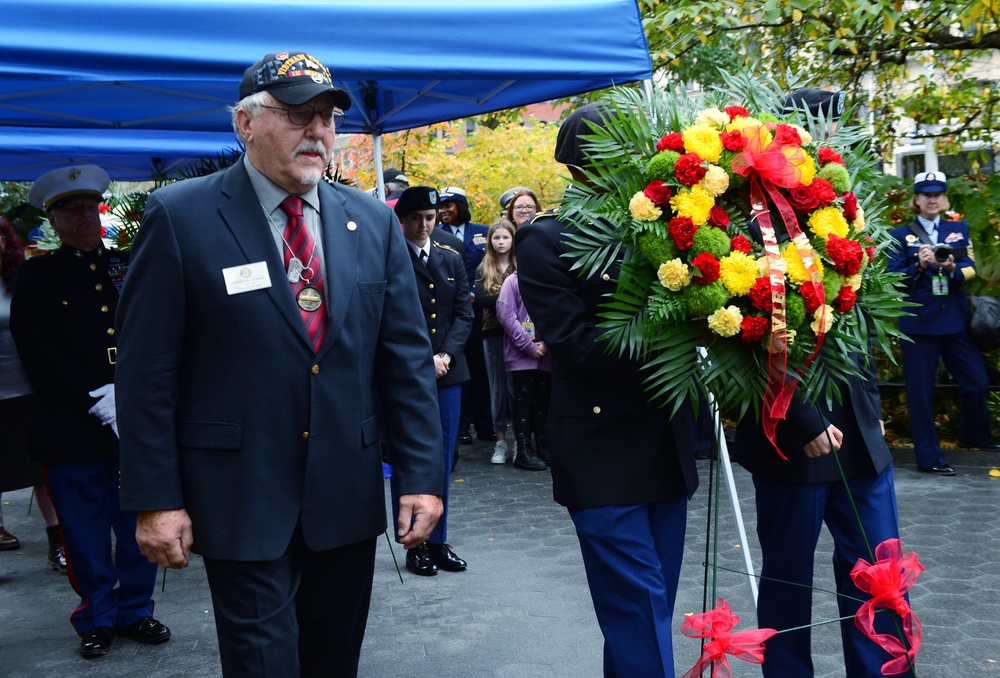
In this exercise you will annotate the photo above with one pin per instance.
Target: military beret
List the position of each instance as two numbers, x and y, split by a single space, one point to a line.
416 198
68 182
569 141
930 182
817 101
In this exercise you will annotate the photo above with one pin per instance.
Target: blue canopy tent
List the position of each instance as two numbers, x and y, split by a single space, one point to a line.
142 86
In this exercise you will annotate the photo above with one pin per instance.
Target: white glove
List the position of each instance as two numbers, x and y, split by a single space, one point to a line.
104 409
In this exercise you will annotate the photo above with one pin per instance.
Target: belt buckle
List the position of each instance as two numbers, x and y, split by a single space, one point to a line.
112 355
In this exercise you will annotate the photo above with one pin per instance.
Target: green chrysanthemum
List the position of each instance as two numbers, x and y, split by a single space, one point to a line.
661 166
704 300
657 250
837 175
712 240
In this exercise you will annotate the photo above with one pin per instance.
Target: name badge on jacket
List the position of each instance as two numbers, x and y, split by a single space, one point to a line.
246 278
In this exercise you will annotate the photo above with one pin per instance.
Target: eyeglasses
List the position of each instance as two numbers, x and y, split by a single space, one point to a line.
524 208
303 115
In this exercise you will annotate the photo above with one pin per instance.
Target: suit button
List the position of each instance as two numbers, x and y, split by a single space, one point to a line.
597 409
431 286
104 309
315 369
111 331
433 315
93 267
434 301
433 331
98 287
305 435
65 303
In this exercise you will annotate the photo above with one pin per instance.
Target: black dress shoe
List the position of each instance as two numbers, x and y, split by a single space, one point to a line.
945 470
418 561
97 643
8 542
445 558
976 446
148 631
464 438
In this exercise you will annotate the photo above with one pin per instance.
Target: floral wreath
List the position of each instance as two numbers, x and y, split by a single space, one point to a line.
738 233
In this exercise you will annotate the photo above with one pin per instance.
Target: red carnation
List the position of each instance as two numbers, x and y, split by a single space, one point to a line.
845 300
870 251
709 267
823 190
828 155
103 208
752 328
658 192
760 294
671 142
845 254
733 141
736 112
850 206
786 135
810 295
803 199
718 217
689 170
682 230
740 243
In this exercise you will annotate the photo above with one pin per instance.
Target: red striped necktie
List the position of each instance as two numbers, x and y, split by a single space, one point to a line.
300 245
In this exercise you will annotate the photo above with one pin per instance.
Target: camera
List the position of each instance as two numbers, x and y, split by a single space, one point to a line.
944 250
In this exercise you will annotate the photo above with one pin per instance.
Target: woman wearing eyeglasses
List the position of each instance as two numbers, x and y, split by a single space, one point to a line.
522 207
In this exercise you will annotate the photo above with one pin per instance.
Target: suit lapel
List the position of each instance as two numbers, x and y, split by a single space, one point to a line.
251 230
340 249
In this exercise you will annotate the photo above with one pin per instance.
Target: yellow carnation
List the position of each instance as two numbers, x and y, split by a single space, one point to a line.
643 209
674 275
854 282
797 272
738 272
695 203
827 220
859 221
823 319
715 181
726 321
704 140
806 166
713 117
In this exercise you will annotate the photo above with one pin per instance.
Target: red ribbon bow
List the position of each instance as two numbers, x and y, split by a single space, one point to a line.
718 624
887 580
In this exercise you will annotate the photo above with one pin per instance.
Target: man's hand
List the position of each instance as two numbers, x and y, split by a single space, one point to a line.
418 514
165 537
820 445
104 409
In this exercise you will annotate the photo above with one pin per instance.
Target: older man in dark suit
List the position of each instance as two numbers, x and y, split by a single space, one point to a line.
265 309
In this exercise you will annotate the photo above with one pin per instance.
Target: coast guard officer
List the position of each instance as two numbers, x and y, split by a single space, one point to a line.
445 303
62 319
935 253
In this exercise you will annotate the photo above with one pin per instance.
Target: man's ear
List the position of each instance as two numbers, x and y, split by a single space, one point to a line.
243 122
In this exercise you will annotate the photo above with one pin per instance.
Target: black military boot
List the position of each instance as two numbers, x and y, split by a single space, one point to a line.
525 458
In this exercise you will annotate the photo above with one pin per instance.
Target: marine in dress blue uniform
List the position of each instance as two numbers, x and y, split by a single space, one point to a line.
476 404
62 320
939 328
616 464
443 288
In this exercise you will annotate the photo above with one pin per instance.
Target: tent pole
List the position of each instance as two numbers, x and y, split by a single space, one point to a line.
377 144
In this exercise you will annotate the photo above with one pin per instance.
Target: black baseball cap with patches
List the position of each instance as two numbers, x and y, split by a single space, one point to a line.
817 101
292 78
580 123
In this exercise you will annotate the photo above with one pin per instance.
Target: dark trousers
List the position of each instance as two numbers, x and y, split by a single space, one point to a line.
632 555
476 405
117 590
966 364
303 614
532 389
789 519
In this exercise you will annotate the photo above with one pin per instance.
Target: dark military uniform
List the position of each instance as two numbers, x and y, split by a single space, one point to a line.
443 288
62 320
